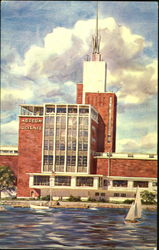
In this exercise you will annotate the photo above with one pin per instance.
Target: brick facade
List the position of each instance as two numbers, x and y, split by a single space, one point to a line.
101 102
30 152
127 167
79 95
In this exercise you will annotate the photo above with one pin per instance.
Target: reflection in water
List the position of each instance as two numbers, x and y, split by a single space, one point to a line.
60 228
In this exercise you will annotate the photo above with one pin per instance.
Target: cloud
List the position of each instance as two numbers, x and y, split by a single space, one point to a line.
9 133
147 143
60 59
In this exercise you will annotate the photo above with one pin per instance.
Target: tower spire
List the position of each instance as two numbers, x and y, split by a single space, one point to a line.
96 56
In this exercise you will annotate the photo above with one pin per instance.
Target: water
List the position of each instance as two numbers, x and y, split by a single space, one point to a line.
66 228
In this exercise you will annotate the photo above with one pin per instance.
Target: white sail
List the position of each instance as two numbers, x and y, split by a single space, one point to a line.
135 209
131 214
138 206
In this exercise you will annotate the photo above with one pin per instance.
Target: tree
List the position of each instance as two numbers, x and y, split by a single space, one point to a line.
148 197
7 179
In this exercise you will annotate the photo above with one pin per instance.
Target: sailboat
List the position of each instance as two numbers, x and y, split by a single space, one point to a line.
135 210
39 206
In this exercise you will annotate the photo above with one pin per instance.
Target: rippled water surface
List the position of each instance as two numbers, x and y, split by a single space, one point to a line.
66 228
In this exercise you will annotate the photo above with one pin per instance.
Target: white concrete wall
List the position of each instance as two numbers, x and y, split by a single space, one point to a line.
94 77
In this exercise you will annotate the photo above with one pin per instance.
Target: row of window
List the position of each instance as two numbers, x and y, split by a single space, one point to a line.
124 183
62 132
60 145
71 160
63 181
70 110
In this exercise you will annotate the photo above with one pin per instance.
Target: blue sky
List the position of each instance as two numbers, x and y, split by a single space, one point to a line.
44 44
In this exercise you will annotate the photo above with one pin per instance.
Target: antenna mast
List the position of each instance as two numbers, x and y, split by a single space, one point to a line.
96 56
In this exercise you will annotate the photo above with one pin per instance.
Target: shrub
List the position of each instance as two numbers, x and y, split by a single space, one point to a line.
92 199
148 197
127 201
73 198
45 198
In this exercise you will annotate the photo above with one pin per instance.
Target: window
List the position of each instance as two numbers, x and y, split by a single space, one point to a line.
123 195
50 145
105 182
62 180
154 184
141 184
62 146
151 156
50 159
51 131
46 144
71 160
59 160
96 194
82 161
46 159
57 145
72 110
102 194
116 194
46 132
119 183
61 110
50 110
84 110
84 181
42 180
130 155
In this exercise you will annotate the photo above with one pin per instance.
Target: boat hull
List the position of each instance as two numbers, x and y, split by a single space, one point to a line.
38 207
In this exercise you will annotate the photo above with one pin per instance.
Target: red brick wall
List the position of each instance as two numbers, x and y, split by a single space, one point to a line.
128 167
10 161
30 152
79 94
101 102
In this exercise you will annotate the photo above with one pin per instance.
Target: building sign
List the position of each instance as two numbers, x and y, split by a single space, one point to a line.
32 127
32 120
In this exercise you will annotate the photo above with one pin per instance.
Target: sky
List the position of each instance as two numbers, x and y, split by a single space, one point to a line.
44 45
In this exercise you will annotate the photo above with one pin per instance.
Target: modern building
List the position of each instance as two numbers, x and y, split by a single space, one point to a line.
69 149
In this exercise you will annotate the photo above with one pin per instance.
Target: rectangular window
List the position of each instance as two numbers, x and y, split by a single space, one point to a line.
50 145
142 184
51 131
72 110
57 160
46 159
46 144
71 160
42 180
61 110
116 194
62 145
96 194
84 110
123 195
46 131
119 183
50 159
84 181
102 194
57 145
62 180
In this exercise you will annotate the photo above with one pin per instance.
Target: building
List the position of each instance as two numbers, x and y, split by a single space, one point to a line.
69 149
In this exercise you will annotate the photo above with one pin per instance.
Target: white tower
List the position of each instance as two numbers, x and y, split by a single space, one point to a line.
94 71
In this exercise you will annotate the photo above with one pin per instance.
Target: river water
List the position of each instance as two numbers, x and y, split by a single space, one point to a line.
66 228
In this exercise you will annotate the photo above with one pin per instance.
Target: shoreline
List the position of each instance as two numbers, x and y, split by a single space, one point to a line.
67 204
